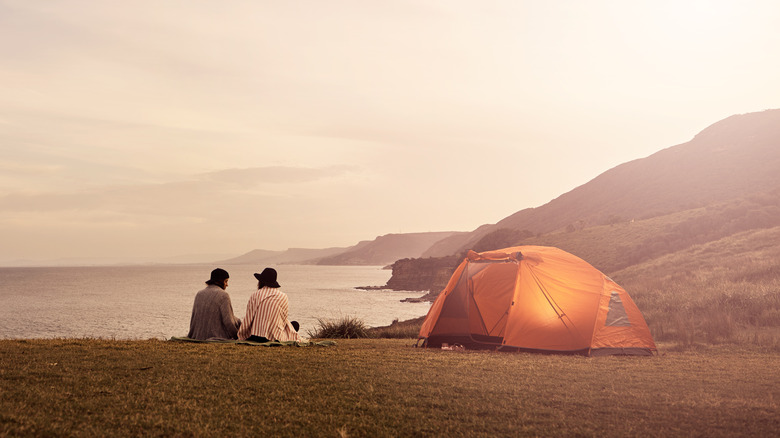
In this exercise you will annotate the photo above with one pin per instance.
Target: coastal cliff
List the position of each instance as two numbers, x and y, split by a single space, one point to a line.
429 274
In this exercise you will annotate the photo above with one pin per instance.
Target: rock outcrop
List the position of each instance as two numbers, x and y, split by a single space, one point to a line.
429 274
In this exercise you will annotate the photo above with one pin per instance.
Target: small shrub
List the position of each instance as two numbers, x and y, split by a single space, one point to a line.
348 327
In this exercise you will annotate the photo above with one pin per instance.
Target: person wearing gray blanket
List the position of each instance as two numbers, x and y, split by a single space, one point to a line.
212 312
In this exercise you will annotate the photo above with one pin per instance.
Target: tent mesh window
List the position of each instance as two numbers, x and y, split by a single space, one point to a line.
616 315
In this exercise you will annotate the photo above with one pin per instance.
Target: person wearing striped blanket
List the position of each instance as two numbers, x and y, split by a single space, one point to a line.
267 312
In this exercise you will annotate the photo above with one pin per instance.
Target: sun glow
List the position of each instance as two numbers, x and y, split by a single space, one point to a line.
699 16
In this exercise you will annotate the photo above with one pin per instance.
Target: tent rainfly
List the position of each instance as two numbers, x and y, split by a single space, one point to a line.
535 298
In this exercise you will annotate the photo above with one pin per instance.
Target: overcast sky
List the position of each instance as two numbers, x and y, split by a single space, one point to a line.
149 129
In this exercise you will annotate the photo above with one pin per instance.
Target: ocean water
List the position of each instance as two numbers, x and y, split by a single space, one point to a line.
142 302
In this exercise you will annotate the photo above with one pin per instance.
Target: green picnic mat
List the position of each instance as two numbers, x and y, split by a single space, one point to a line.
259 344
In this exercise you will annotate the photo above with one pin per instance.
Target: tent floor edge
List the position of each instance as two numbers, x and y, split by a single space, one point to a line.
436 341
512 349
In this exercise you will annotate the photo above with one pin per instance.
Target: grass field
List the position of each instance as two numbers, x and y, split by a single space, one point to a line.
379 387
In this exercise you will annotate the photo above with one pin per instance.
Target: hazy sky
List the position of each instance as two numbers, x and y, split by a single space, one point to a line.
160 128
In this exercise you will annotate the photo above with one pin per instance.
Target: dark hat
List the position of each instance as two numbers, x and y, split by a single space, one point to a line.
267 278
218 276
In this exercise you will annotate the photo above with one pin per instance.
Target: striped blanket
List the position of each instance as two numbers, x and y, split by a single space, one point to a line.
259 344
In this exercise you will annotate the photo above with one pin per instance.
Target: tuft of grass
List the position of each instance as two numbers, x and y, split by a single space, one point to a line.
348 327
351 327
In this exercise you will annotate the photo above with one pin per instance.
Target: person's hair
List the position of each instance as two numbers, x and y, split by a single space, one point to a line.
219 283
218 277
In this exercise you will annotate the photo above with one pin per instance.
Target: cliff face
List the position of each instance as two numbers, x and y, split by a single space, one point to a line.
430 275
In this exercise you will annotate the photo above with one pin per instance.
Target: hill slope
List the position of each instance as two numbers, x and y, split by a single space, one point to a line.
724 181
733 158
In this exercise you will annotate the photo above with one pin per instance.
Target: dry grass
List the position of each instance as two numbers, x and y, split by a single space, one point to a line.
370 387
724 291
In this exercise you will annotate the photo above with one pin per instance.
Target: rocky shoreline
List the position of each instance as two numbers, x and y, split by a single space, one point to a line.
428 297
429 275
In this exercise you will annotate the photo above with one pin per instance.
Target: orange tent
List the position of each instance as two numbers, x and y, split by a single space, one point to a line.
535 298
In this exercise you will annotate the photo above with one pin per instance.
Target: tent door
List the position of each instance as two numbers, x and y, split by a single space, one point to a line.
491 292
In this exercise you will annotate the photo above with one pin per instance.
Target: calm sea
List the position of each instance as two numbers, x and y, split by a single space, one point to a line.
141 302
